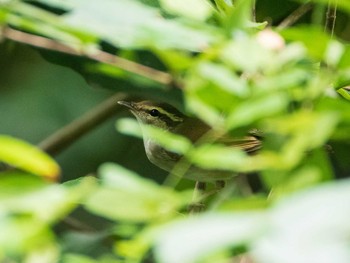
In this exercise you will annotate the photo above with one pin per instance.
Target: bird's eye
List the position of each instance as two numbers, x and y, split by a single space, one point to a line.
154 113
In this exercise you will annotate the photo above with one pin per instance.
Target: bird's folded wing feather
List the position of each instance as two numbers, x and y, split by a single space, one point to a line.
248 144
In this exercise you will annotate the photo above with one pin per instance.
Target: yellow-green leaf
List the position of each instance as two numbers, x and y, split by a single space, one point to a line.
25 156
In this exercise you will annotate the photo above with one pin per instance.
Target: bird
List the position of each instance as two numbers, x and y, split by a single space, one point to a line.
168 118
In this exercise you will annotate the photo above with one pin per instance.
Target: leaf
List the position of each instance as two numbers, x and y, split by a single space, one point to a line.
254 109
24 194
145 200
246 54
193 9
27 157
313 38
199 237
310 226
131 24
224 78
211 156
170 141
29 206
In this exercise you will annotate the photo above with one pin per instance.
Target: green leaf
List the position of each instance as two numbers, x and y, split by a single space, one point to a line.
211 156
24 194
22 155
240 16
344 93
310 226
199 237
170 141
145 200
193 9
255 109
224 78
111 21
28 207
343 4
246 54
313 38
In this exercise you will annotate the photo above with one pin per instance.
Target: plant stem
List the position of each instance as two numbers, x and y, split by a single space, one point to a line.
331 16
96 54
295 16
67 135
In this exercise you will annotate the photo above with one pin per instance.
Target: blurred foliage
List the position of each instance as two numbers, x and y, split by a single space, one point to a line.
234 71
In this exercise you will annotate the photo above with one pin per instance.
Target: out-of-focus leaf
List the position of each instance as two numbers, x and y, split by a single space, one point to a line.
255 109
194 9
110 20
169 141
199 237
219 157
343 4
314 39
28 207
345 59
307 125
224 6
240 16
246 54
27 157
24 194
311 226
334 53
224 78
80 258
126 196
129 126
254 202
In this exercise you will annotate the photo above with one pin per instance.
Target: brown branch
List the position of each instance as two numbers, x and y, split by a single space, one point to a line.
331 16
67 135
295 16
97 55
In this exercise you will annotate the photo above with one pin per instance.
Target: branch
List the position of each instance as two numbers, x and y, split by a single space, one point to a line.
295 16
67 135
97 55
331 16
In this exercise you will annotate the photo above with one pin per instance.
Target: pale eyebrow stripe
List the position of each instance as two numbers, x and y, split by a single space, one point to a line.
171 116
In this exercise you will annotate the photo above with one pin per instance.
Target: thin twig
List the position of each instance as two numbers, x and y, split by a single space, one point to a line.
331 16
295 16
97 55
65 136
254 11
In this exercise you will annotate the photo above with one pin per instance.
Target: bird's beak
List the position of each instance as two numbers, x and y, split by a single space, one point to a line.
127 104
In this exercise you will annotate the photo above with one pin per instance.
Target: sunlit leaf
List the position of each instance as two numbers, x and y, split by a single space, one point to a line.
22 155
253 109
24 194
311 226
170 141
145 199
314 39
221 158
236 54
195 9
198 237
111 21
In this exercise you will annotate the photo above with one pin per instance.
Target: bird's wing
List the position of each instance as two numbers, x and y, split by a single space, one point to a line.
248 144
